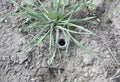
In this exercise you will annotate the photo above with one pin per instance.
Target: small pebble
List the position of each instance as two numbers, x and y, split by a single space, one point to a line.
88 59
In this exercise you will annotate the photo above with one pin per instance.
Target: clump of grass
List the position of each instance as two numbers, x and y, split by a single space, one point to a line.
51 19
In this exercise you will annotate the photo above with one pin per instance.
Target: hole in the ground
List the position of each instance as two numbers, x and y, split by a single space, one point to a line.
61 42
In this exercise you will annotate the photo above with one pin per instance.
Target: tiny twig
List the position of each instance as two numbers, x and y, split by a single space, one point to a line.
116 75
113 56
115 59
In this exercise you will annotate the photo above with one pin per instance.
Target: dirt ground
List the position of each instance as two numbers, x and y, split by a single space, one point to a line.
77 67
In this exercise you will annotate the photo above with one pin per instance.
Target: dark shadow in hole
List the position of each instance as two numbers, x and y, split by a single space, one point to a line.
61 42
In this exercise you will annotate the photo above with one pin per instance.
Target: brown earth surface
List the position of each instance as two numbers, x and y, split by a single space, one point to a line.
78 66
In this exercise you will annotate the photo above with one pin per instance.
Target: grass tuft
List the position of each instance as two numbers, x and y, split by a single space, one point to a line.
53 17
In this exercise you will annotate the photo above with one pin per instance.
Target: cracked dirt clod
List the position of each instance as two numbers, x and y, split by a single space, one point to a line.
22 58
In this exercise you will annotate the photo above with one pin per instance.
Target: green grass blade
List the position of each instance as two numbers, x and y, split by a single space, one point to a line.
84 48
43 7
50 61
29 11
65 3
86 19
27 48
51 43
81 28
58 5
55 5
62 9
33 25
42 38
46 16
76 7
35 38
68 30
70 14
42 15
